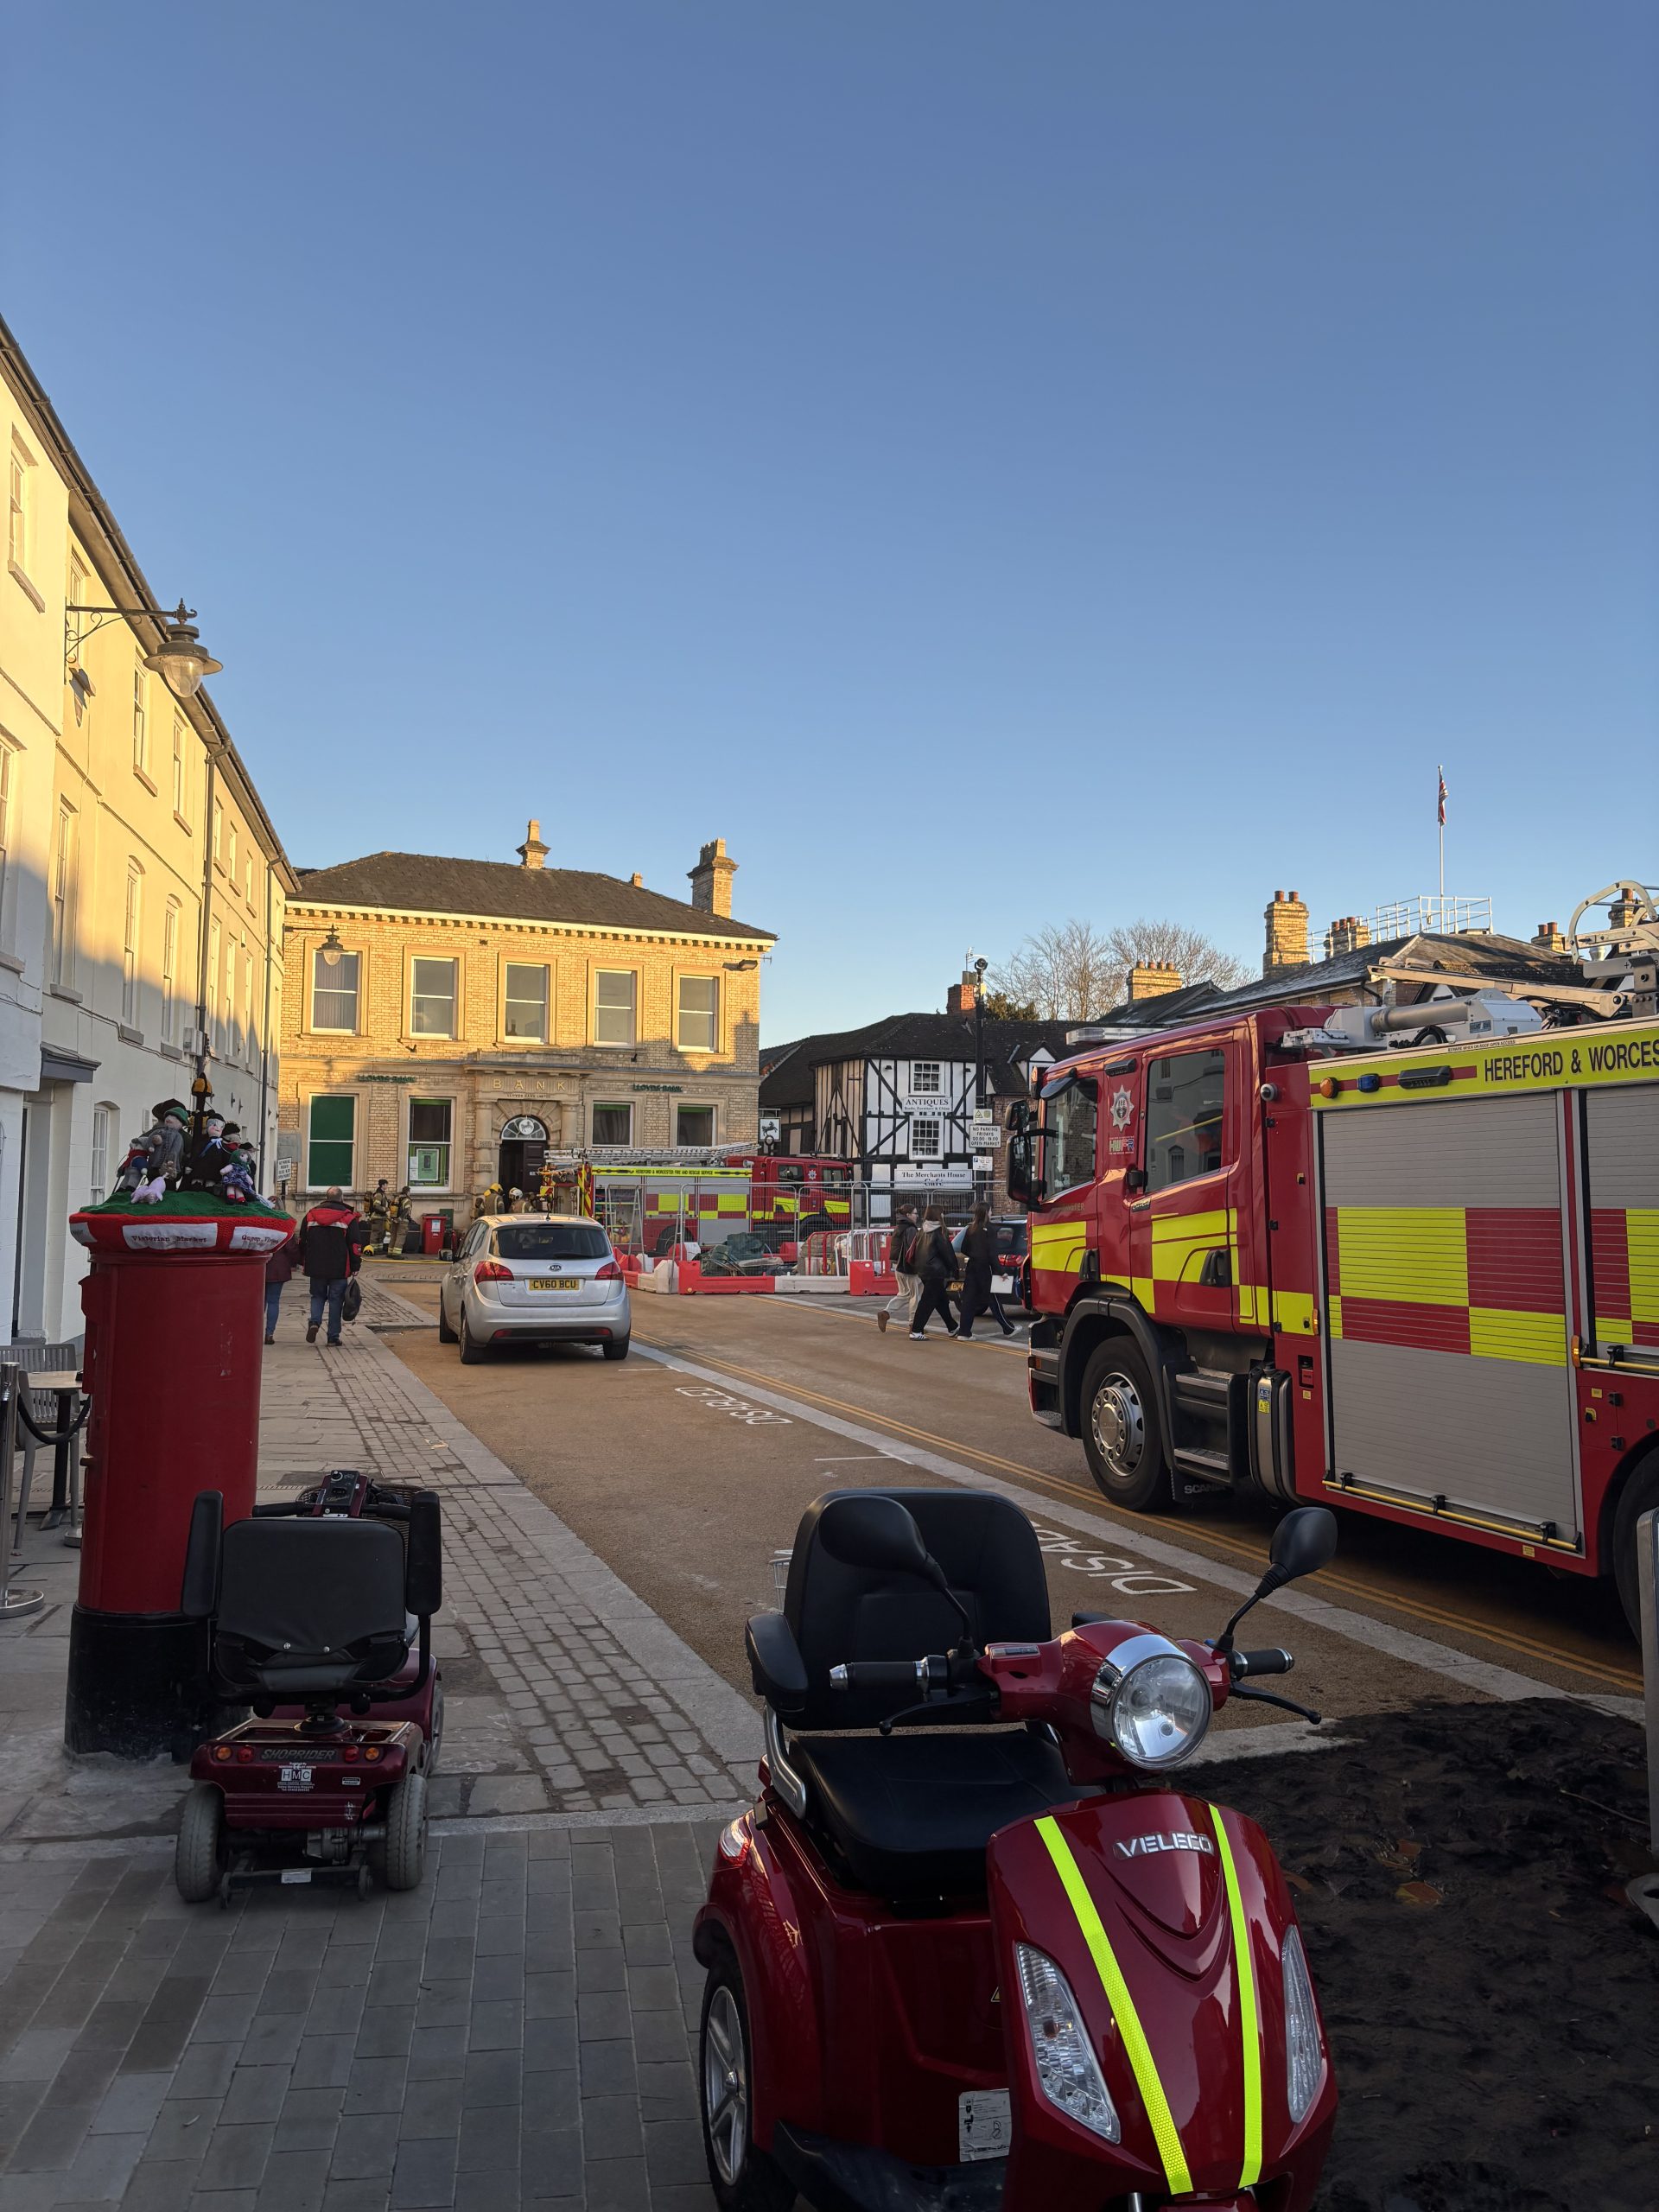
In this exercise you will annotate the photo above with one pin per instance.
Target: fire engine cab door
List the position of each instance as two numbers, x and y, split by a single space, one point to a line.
1184 1230
1445 1306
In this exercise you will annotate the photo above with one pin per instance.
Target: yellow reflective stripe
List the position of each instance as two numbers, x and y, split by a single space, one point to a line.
1294 1311
1058 1246
1494 1333
1333 1315
1414 1254
1641 1257
1135 2045
1249 2018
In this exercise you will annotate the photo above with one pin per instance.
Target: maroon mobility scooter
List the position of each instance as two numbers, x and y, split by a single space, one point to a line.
1007 1964
320 1618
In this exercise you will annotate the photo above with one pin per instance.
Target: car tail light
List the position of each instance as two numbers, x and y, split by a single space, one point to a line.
222 1753
244 1755
611 1271
492 1271
373 1753
350 1752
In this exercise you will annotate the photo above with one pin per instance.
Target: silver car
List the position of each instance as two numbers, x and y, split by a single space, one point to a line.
535 1278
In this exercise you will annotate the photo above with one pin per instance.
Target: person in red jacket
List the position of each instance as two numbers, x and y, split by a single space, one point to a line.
331 1250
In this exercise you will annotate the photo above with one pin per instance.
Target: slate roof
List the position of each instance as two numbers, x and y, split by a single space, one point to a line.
786 1070
423 883
1473 955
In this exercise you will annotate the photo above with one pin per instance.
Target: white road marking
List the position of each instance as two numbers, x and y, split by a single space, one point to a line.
1482 1675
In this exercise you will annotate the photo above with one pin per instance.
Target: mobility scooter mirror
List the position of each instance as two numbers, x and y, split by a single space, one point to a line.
1304 1541
319 1616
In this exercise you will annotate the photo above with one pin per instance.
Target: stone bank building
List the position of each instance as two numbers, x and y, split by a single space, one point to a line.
447 1022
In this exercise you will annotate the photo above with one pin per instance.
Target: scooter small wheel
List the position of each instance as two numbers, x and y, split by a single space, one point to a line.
743 2178
196 1866
400 1861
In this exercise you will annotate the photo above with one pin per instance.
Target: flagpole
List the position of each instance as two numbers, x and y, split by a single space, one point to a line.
1440 811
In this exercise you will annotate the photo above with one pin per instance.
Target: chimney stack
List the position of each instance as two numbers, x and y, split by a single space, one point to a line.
1348 935
1550 937
1149 980
1286 920
637 881
711 878
961 997
532 853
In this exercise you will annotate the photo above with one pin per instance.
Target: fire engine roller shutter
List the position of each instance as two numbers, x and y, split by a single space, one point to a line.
1622 1131
1446 1310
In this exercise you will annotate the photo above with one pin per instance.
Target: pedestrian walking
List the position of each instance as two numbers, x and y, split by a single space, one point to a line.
279 1268
935 1263
978 1267
330 1252
901 1256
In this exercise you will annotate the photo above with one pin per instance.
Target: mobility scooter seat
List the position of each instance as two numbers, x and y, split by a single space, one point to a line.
307 1608
916 1812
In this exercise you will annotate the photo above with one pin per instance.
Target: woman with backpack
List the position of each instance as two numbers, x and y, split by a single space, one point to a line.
934 1263
901 1258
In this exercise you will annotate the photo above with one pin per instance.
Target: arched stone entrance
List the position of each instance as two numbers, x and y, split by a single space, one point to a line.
524 1147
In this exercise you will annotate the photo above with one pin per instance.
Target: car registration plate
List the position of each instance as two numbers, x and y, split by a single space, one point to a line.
295 1777
556 1282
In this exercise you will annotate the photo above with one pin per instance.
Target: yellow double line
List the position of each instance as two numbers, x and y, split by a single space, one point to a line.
1254 1555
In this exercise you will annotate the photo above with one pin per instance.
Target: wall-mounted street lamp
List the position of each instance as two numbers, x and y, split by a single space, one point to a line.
738 966
331 949
179 659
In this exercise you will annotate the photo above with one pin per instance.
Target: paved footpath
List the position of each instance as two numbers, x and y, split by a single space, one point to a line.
520 2030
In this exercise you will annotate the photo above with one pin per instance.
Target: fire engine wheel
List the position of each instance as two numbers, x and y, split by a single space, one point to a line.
446 1334
400 1861
1121 1436
472 1352
744 2179
1640 1496
196 1866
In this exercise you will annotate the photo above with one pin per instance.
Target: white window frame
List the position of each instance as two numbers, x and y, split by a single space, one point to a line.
696 1106
508 1000
215 963
612 1106
8 798
20 520
66 875
618 1044
132 923
321 967
106 1121
171 919
927 1079
140 721
435 959
918 1148
412 1145
218 833
711 1015
181 791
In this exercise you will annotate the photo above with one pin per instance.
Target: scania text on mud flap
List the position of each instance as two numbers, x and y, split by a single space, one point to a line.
308 1609
1403 1259
1008 1962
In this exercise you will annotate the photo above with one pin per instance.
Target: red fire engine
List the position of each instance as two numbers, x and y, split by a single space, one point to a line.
784 1186
1305 1254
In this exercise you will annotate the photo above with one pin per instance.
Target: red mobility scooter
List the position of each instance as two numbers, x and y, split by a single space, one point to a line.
319 1616
995 1968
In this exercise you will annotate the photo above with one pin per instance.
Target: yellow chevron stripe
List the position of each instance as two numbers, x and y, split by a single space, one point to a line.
1131 2033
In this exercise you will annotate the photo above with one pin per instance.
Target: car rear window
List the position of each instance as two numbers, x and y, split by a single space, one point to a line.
552 1240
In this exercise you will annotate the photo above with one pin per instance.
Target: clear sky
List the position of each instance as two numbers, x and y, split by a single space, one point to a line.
989 463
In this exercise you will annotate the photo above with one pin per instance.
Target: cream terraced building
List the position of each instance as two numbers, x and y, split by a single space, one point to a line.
449 1021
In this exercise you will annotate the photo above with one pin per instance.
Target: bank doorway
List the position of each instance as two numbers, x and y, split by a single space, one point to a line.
524 1147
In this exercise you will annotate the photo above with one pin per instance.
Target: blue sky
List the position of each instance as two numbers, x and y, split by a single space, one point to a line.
990 463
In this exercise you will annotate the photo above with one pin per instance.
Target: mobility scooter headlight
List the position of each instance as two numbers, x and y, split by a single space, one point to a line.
1303 2055
1067 2069
1151 1701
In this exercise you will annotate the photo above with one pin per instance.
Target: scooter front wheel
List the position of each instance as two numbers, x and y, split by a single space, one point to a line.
744 2178
196 1860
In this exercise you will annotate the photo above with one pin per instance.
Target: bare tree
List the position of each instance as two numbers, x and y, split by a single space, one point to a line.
1072 972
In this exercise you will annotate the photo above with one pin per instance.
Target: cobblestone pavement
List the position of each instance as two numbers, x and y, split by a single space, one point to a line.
518 2031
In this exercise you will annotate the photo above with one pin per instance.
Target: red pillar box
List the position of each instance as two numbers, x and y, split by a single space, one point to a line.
175 1307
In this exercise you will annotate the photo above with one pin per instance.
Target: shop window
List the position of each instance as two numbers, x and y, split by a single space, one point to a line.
526 1008
429 1122
614 991
432 998
924 1139
1185 1101
333 990
694 1125
614 1124
332 1143
698 1014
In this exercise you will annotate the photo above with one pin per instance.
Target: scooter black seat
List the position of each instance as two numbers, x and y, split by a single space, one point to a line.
909 1813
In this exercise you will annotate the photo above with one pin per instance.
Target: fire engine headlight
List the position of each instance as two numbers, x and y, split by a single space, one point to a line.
1068 2073
1304 2052
1151 1701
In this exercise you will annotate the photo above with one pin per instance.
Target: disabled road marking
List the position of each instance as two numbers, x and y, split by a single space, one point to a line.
722 1401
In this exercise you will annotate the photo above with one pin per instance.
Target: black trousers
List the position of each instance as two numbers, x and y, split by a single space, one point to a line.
975 1301
934 1298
